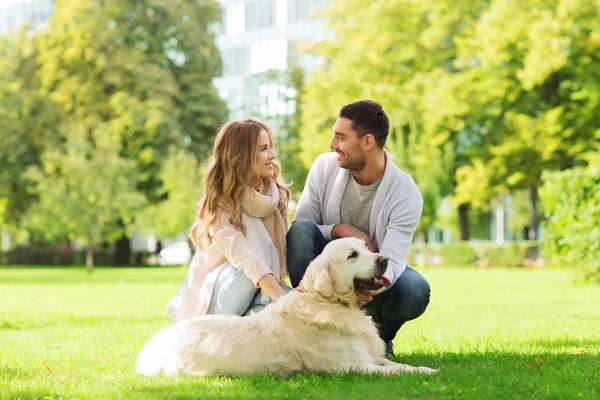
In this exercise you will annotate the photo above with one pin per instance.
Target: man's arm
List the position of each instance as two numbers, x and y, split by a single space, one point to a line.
399 233
347 230
311 202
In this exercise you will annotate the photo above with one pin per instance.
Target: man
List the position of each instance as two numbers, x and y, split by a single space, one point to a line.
358 192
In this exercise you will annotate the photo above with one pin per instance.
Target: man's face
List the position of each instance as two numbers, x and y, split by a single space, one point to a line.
347 145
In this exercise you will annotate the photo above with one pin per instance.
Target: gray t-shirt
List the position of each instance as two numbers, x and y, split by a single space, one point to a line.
357 202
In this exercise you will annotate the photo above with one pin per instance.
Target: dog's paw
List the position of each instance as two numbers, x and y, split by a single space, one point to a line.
426 370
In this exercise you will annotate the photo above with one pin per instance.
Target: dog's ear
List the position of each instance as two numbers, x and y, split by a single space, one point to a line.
318 277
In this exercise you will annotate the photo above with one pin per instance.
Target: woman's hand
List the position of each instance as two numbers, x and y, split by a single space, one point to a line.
271 287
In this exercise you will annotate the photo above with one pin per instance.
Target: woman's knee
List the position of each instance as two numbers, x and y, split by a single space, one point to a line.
234 294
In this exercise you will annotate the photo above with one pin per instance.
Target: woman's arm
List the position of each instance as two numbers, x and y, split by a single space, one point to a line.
271 287
236 249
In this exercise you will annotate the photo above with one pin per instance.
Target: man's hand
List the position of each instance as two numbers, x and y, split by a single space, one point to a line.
347 230
299 288
364 297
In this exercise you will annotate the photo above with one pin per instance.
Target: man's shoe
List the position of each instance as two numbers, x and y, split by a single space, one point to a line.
389 348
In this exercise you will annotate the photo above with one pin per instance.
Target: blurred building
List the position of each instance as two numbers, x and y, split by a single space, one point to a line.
255 36
16 13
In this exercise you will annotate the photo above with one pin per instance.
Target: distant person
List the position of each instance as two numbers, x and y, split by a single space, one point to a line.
240 228
358 191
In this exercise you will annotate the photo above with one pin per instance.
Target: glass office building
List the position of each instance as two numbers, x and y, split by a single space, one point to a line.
255 36
16 13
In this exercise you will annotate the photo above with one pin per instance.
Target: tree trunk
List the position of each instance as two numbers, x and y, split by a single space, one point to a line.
533 218
122 251
89 257
463 221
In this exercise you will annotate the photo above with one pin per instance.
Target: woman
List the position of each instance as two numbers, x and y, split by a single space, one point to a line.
240 228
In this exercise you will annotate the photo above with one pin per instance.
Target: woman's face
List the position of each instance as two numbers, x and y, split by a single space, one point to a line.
265 157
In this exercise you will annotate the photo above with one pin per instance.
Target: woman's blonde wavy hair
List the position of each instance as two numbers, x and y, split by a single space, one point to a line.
232 166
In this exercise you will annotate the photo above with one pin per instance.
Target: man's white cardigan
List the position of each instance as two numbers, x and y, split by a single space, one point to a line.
394 217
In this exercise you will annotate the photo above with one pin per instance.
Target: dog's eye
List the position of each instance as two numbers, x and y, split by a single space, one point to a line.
354 254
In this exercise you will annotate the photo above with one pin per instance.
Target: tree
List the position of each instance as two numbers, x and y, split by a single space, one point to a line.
536 58
181 176
400 61
139 72
85 191
28 122
175 35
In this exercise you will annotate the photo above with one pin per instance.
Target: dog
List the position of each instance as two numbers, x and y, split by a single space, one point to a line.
319 328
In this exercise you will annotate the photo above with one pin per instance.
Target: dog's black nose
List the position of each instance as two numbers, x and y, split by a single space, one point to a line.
382 261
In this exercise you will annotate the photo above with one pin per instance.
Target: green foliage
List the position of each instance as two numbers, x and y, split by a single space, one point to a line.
572 232
59 255
458 254
123 82
85 192
503 256
537 100
139 71
483 95
182 182
479 253
28 122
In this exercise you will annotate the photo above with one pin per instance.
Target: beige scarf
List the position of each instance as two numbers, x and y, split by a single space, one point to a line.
263 204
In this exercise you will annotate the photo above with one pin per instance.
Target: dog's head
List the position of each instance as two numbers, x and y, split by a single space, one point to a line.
346 265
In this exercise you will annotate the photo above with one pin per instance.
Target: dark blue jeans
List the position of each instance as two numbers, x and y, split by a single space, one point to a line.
407 299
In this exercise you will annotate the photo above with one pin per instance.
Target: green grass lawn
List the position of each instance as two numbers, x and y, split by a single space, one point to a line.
493 334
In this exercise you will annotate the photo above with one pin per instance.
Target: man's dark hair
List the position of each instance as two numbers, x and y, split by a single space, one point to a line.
368 116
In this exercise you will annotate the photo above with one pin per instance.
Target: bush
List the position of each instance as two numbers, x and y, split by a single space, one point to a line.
508 255
64 256
458 254
483 254
31 255
571 231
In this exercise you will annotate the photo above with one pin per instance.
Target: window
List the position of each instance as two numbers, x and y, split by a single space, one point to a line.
301 10
260 14
236 20
268 54
235 61
297 10
281 13
276 99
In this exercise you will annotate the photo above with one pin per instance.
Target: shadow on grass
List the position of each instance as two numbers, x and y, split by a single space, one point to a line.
591 345
487 375
493 375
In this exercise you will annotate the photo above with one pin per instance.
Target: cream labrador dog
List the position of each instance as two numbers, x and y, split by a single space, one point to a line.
319 329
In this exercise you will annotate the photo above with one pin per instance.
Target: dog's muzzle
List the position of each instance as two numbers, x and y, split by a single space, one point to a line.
378 281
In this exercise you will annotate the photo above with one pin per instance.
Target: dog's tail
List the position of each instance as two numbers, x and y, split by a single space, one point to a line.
158 354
